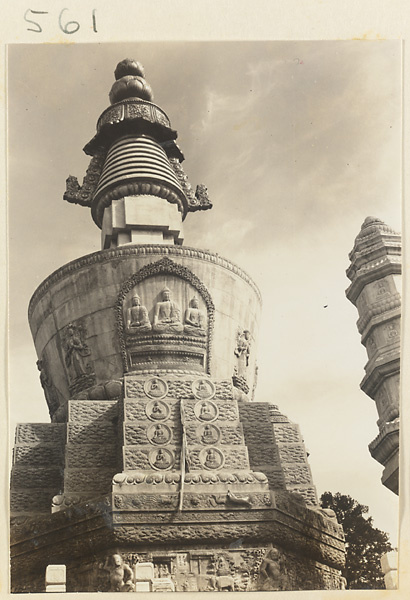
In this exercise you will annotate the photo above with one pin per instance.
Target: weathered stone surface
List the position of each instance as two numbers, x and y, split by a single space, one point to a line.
96 433
88 479
38 455
35 477
297 474
35 433
91 411
286 433
294 453
31 500
92 455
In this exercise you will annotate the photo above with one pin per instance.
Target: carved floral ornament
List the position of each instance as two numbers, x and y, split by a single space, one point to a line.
132 318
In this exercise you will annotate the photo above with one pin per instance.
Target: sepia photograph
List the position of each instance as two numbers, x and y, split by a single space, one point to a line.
204 315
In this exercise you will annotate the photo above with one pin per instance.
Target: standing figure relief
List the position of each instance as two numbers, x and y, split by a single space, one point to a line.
76 353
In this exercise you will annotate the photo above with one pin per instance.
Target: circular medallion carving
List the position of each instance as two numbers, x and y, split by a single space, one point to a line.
159 434
161 459
155 387
206 410
211 458
203 389
156 410
209 434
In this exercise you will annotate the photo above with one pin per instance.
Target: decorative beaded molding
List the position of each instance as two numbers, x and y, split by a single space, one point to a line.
384 306
103 256
164 266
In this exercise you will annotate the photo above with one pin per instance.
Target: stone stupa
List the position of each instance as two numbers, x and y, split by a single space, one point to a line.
158 470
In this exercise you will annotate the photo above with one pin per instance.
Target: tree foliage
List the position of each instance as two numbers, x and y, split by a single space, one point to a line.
365 544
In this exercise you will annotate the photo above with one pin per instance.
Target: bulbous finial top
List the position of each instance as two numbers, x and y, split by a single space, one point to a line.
371 221
372 225
129 66
130 82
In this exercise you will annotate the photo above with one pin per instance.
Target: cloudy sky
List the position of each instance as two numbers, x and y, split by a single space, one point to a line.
297 142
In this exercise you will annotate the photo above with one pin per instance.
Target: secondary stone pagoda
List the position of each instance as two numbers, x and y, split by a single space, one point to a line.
375 289
158 471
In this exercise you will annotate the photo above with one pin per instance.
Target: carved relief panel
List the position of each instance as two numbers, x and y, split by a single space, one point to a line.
242 353
165 319
77 357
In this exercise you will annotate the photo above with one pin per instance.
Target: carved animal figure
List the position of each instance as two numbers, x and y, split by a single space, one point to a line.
222 583
239 500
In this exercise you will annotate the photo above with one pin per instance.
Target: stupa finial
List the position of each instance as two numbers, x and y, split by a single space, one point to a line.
130 82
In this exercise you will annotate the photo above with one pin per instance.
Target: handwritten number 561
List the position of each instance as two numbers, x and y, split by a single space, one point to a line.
67 27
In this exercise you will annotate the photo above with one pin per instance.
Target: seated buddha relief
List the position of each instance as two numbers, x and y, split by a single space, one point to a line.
137 317
167 315
194 322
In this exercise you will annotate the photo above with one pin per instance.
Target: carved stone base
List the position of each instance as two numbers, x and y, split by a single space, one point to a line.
284 546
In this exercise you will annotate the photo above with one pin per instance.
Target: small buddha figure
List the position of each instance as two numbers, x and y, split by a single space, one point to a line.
194 323
159 436
157 411
137 317
212 460
161 460
205 413
167 316
209 435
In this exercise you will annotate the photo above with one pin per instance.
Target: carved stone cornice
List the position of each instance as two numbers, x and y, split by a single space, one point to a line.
377 371
388 265
382 247
386 443
97 524
137 250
